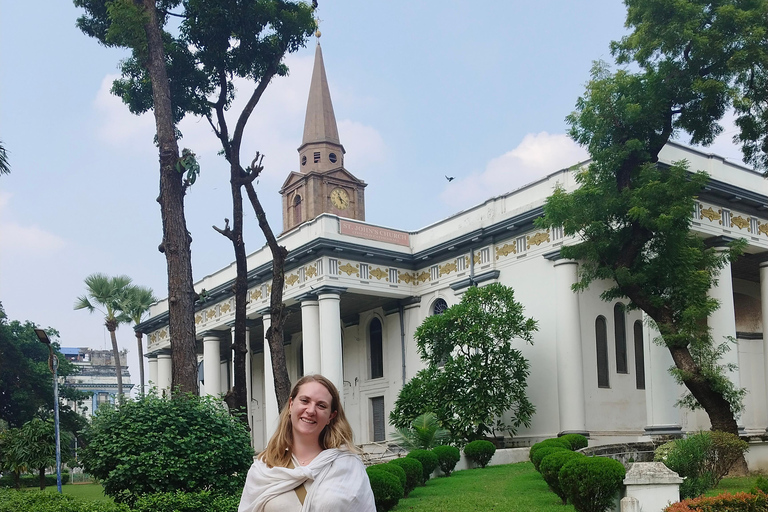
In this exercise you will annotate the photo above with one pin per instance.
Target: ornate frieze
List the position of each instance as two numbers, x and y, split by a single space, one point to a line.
538 239
291 279
406 277
711 214
210 314
447 268
310 271
348 269
739 221
256 294
198 318
763 228
225 308
423 277
379 274
505 250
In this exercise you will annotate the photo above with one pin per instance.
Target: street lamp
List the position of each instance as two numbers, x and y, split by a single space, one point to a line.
53 364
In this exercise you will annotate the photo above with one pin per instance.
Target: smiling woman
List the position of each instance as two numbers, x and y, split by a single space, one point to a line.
311 462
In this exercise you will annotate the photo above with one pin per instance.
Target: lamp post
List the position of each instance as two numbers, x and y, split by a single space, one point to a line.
53 364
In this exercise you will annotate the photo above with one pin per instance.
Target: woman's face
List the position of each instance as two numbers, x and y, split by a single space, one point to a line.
311 410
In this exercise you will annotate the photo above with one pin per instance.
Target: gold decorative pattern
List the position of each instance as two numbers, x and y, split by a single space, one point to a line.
763 229
538 238
211 313
269 289
256 294
310 271
163 333
506 250
198 319
447 268
153 337
739 221
225 308
291 280
348 269
710 214
477 259
466 261
422 278
406 277
379 274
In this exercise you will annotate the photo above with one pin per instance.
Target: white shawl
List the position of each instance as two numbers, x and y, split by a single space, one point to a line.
340 484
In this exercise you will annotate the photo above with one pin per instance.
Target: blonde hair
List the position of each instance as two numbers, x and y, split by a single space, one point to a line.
337 434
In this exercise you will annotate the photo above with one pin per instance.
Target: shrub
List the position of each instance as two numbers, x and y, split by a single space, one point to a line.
591 483
761 484
154 444
739 502
688 458
413 472
396 470
480 452
550 469
16 501
447 458
661 452
542 452
558 441
725 451
428 461
186 502
387 490
577 441
33 480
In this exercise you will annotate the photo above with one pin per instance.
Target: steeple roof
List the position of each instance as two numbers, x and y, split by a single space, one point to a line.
320 121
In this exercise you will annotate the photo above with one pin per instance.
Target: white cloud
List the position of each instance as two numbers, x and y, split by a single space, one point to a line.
118 126
18 239
536 156
364 143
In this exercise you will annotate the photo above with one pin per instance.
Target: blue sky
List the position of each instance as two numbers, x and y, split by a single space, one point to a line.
421 90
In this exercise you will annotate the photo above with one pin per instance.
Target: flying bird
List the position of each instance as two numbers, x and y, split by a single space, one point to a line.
450 178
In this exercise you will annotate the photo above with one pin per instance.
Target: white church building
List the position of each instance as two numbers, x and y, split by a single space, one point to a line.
358 291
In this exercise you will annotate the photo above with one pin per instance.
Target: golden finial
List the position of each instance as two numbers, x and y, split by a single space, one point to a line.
317 24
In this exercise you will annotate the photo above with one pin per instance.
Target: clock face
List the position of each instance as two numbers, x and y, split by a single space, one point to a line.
340 198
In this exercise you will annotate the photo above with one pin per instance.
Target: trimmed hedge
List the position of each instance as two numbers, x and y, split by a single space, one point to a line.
386 487
396 470
447 458
739 502
428 461
186 502
27 480
557 441
413 471
22 501
577 441
591 483
480 452
550 470
543 451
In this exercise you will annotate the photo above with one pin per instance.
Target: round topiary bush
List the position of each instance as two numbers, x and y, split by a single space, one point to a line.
577 441
480 452
387 490
591 483
543 451
557 441
396 470
550 469
447 458
428 461
413 472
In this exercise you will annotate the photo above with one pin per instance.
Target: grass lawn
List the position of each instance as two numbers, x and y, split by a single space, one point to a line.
512 487
93 492
733 485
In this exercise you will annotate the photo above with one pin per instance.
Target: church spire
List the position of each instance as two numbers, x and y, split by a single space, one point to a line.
320 149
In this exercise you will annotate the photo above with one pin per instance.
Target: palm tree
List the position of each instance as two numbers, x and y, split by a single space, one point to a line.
5 167
136 303
105 294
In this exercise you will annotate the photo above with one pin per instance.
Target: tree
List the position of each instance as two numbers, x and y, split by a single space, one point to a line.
5 167
155 444
424 433
631 216
38 439
138 26
474 376
136 302
107 295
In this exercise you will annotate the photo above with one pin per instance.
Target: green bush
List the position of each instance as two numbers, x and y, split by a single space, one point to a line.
33 480
396 470
413 472
428 461
186 502
542 452
23 501
591 483
577 441
725 451
761 484
739 502
661 452
447 458
547 443
688 458
154 444
387 490
550 467
480 452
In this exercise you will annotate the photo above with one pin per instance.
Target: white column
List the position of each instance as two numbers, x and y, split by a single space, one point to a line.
152 371
570 367
271 407
164 373
764 307
330 339
661 390
722 321
212 364
310 336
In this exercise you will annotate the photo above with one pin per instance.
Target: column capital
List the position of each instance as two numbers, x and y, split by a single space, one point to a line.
211 333
327 290
719 242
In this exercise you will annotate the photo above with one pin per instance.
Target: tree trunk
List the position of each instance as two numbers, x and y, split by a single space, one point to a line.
41 473
140 343
240 351
118 365
176 240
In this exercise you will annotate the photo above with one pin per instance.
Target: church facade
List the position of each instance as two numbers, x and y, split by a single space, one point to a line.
356 293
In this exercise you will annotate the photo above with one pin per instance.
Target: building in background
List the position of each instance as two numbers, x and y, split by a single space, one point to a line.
97 375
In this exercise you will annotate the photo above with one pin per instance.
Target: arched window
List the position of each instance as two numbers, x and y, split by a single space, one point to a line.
297 209
601 337
620 334
639 355
375 349
439 306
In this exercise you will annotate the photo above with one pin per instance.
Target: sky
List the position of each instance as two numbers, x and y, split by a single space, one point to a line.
421 90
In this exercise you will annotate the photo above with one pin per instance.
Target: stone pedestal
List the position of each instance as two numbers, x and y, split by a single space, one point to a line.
653 485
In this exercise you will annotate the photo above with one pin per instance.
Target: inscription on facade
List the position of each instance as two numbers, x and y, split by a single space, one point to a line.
374 233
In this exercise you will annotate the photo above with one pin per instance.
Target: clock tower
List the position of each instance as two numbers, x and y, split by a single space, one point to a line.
322 184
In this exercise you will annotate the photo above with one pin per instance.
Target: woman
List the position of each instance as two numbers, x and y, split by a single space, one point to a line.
311 463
